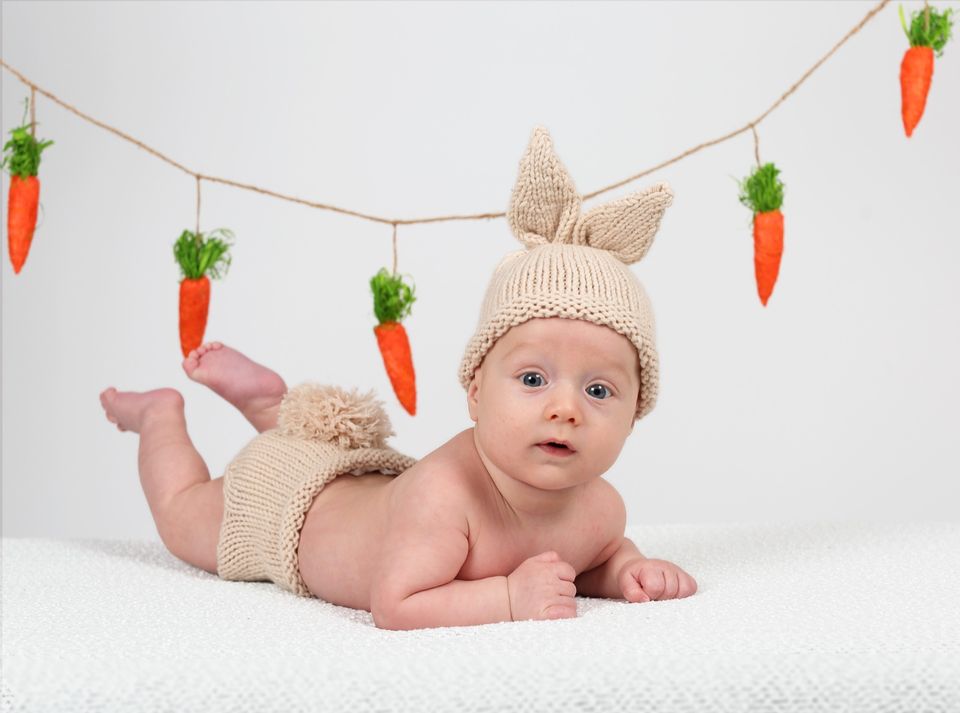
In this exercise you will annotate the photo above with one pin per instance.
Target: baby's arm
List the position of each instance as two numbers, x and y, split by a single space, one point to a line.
601 580
623 572
415 584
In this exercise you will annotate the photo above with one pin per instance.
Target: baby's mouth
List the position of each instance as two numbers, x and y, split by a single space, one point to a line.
556 448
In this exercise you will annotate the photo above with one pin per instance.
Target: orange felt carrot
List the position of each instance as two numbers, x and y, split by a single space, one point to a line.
916 72
194 306
767 250
21 218
392 300
762 192
928 33
198 257
23 156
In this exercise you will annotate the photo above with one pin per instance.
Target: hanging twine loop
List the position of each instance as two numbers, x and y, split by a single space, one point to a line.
756 143
33 114
198 205
394 249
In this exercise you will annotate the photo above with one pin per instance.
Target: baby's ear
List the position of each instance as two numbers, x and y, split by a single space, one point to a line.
545 205
472 396
625 227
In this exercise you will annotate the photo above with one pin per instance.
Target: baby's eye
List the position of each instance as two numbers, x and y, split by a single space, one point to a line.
598 390
530 379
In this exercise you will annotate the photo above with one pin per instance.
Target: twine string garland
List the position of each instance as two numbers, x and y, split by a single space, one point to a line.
436 219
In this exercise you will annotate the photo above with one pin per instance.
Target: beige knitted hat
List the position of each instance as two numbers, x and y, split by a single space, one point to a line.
574 265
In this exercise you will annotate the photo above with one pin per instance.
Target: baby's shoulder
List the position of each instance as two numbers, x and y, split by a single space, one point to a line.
607 499
601 509
441 474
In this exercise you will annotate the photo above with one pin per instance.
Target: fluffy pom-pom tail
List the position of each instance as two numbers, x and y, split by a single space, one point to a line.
346 419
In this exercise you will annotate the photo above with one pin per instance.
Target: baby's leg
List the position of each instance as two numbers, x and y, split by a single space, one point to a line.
187 506
254 389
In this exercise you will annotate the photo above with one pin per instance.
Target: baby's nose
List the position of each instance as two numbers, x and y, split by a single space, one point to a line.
564 405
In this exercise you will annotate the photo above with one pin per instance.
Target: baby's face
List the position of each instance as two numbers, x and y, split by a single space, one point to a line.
555 380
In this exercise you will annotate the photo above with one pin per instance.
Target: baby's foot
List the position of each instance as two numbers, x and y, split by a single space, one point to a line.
254 389
130 409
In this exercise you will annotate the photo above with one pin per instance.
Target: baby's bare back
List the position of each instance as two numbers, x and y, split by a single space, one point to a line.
351 519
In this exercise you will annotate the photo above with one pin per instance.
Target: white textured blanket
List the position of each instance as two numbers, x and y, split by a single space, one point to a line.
813 617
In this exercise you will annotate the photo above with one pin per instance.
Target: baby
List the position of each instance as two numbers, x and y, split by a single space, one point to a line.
509 519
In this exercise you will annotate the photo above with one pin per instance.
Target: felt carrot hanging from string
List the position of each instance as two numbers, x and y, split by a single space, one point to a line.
199 256
762 192
928 32
23 157
392 300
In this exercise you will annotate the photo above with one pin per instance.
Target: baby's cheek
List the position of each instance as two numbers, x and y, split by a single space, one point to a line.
495 439
607 455
502 426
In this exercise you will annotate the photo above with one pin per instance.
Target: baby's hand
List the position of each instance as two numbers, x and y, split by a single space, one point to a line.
542 588
641 580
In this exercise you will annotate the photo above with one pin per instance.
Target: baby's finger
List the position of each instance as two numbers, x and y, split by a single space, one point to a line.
560 611
565 571
631 589
688 585
653 582
567 589
671 584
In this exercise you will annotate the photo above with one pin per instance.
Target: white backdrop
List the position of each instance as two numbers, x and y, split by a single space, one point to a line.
837 401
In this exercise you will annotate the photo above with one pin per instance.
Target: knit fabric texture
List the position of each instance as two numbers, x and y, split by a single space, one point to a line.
574 265
322 432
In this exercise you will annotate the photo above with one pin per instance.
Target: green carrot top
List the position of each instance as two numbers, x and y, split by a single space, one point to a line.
392 299
928 28
198 255
23 150
762 191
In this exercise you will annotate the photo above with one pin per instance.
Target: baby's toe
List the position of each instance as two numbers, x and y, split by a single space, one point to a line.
191 363
106 401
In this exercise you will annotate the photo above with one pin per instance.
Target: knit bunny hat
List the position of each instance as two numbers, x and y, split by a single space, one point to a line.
574 265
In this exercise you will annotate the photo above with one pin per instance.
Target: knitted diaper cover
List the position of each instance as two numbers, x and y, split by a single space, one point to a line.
322 432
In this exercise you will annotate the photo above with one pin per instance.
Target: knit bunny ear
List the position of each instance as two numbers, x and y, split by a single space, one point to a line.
625 227
545 205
